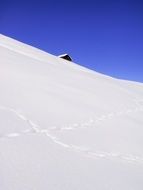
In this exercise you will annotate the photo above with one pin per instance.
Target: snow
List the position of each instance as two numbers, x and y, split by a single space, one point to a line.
63 126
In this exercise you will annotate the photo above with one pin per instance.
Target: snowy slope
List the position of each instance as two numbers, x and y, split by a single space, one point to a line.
64 127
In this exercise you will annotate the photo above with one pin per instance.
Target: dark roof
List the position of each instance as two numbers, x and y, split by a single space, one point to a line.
66 56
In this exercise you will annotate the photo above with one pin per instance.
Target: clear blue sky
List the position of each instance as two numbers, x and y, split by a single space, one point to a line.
103 35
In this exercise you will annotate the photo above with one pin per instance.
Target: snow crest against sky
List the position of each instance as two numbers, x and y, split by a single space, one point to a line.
106 36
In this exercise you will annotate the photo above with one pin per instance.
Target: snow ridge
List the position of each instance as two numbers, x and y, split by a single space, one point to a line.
63 126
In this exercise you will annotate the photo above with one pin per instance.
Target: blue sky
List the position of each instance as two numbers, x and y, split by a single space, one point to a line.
103 35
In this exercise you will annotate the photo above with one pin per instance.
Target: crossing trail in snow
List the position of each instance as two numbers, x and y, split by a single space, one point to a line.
34 128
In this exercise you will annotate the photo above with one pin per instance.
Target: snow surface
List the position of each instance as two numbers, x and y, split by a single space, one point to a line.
64 127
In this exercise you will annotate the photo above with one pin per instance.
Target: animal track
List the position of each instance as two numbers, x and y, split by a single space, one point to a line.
36 129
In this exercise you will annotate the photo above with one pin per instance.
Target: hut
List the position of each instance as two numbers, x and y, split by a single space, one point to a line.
65 56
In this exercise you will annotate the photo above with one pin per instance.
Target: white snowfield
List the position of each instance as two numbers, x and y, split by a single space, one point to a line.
64 127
